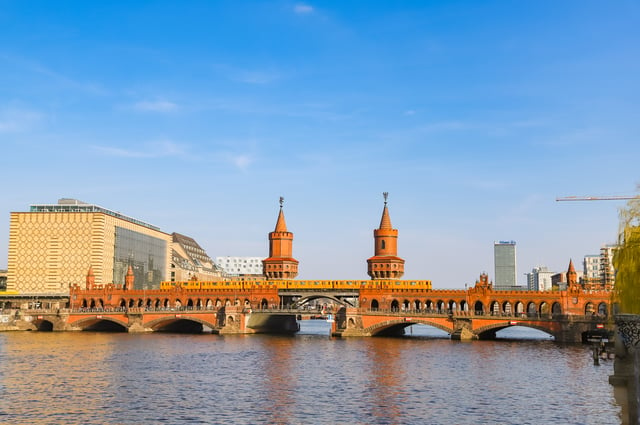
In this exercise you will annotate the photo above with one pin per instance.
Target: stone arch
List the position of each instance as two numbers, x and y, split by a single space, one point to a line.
519 308
395 306
544 308
556 308
264 304
131 303
428 305
506 308
452 306
441 306
417 305
406 305
589 309
478 308
464 305
380 328
603 309
374 304
190 303
532 309
495 308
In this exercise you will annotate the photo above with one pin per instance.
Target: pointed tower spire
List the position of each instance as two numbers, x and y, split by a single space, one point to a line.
281 225
385 221
385 264
280 264
572 276
90 280
129 279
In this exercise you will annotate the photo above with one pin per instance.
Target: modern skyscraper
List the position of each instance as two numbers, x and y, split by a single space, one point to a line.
504 258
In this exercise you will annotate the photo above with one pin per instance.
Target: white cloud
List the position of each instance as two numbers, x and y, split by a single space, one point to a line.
155 106
242 161
14 120
248 76
164 148
303 9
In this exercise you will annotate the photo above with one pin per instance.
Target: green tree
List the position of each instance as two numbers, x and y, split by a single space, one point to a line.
626 259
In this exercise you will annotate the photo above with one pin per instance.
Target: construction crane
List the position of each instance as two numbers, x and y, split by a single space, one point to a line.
596 198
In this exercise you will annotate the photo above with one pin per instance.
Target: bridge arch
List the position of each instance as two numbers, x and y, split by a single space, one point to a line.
104 324
318 296
182 324
43 325
544 308
489 331
519 307
556 308
506 308
394 326
532 309
478 308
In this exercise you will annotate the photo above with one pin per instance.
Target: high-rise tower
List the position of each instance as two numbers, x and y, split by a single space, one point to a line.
385 264
280 264
504 257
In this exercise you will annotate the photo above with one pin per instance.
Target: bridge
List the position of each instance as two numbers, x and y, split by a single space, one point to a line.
366 308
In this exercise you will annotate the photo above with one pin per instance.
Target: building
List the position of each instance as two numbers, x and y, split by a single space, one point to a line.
591 267
280 264
189 261
385 263
240 266
53 245
598 270
3 280
540 279
504 257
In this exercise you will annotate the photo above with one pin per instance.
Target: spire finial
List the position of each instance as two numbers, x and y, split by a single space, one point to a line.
385 195
281 201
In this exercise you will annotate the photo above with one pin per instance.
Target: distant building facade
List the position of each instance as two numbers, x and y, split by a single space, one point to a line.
240 266
504 257
540 279
189 261
53 246
598 270
3 280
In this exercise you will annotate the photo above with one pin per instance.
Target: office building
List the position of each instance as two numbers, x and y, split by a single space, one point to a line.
504 257
54 245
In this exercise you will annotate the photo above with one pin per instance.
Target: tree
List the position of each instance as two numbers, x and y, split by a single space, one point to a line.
626 258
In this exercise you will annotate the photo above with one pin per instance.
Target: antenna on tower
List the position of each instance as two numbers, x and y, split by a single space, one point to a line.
385 195
281 201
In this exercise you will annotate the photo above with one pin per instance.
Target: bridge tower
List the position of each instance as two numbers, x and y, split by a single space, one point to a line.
129 279
385 263
280 264
90 280
572 276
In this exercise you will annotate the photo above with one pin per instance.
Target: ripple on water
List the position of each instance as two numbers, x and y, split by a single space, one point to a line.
87 378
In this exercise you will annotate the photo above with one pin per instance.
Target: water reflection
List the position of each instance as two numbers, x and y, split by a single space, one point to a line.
105 378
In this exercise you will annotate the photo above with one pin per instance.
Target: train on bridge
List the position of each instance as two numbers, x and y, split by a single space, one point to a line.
307 285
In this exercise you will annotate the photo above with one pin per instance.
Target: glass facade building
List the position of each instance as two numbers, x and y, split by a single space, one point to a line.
504 257
147 256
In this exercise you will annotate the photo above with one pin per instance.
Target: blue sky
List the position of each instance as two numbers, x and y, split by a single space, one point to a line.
196 116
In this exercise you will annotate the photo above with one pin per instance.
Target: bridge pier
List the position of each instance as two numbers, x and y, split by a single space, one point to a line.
463 330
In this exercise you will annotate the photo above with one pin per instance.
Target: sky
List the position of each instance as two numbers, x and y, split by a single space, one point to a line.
197 116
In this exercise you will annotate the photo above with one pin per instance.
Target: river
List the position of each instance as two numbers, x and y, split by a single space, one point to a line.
118 378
